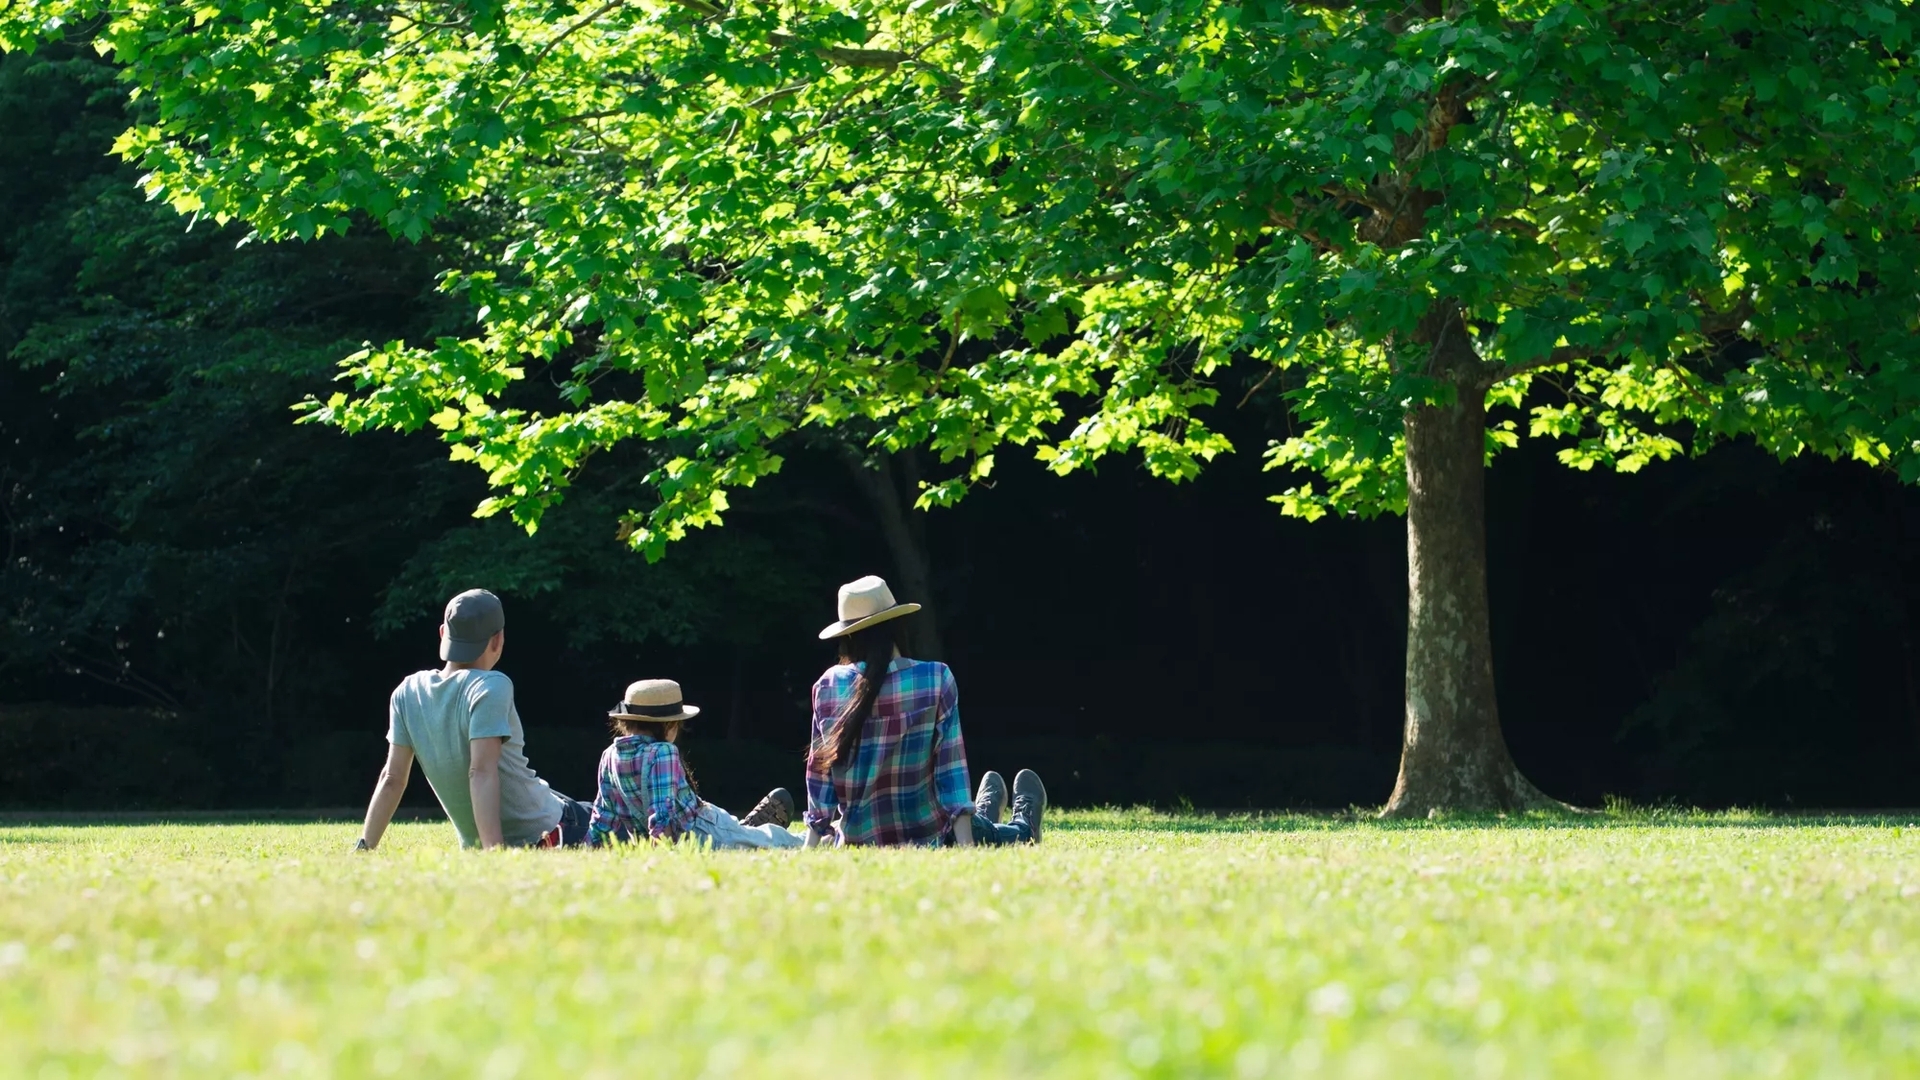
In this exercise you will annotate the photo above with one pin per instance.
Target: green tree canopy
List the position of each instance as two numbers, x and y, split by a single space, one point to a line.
1639 227
169 534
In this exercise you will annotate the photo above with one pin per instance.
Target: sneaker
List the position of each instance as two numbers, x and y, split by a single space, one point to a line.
991 803
1029 800
775 809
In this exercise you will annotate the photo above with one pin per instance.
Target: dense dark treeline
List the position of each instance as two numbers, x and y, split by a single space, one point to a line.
205 604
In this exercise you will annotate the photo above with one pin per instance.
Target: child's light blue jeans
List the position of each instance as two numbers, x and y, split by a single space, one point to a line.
722 830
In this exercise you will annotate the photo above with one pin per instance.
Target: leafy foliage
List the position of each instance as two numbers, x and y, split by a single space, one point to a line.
167 528
172 535
587 583
1052 225
1816 629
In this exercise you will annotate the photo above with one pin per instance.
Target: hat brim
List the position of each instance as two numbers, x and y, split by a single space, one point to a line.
687 712
854 626
461 652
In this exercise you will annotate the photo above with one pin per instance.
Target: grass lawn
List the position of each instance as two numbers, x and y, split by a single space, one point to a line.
1129 944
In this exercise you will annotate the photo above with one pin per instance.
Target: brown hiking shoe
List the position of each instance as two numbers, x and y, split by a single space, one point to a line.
991 802
1029 800
775 809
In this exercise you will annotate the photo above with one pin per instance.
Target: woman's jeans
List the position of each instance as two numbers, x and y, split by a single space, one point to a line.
992 834
722 830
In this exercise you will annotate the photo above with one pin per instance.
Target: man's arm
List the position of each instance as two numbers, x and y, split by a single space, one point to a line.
950 780
386 794
483 783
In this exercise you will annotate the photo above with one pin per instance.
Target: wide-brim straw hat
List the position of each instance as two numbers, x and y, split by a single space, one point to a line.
655 700
864 603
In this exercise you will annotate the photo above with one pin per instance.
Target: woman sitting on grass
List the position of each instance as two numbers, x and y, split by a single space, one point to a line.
887 765
645 790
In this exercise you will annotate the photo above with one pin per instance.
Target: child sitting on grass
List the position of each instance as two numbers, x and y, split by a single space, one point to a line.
644 789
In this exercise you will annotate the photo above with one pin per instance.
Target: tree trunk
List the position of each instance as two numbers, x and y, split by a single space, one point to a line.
737 689
912 579
1452 756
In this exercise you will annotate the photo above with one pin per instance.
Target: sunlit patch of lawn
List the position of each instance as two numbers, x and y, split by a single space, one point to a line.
1130 943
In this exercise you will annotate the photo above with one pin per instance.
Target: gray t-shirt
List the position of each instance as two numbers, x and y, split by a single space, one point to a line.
438 713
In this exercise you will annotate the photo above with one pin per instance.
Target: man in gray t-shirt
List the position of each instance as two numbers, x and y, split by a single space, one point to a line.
460 722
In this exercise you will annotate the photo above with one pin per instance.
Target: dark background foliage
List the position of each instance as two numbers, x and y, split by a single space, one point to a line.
203 604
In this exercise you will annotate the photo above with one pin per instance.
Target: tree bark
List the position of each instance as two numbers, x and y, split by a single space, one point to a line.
1453 756
906 541
737 694
1904 601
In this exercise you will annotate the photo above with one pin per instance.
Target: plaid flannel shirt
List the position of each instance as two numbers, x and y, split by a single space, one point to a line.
908 778
643 788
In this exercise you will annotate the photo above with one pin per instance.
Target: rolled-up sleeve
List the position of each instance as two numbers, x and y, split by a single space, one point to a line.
823 806
613 817
397 718
671 803
490 706
951 783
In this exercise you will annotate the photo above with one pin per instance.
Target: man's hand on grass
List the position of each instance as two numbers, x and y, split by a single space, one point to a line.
386 795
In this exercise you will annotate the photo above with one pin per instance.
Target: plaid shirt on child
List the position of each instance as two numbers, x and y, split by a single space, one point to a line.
643 787
908 778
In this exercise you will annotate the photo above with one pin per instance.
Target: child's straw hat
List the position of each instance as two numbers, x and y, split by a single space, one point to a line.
657 700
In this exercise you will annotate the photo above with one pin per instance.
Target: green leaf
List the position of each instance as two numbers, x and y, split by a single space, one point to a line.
1636 234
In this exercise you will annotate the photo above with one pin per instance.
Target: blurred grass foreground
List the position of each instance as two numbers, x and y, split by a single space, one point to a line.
1131 943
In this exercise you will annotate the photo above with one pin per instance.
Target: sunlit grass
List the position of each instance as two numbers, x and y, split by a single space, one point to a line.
1130 943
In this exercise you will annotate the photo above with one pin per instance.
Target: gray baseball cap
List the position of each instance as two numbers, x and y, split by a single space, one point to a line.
472 619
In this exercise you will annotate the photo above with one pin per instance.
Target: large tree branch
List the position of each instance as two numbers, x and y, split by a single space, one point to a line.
1514 225
1126 84
1293 222
1359 198
547 49
1715 322
1721 322
119 673
1567 354
1399 205
841 54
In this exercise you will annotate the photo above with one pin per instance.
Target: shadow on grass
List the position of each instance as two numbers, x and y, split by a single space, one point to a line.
1144 819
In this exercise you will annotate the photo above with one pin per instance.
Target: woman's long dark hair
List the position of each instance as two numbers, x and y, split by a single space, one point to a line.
874 645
